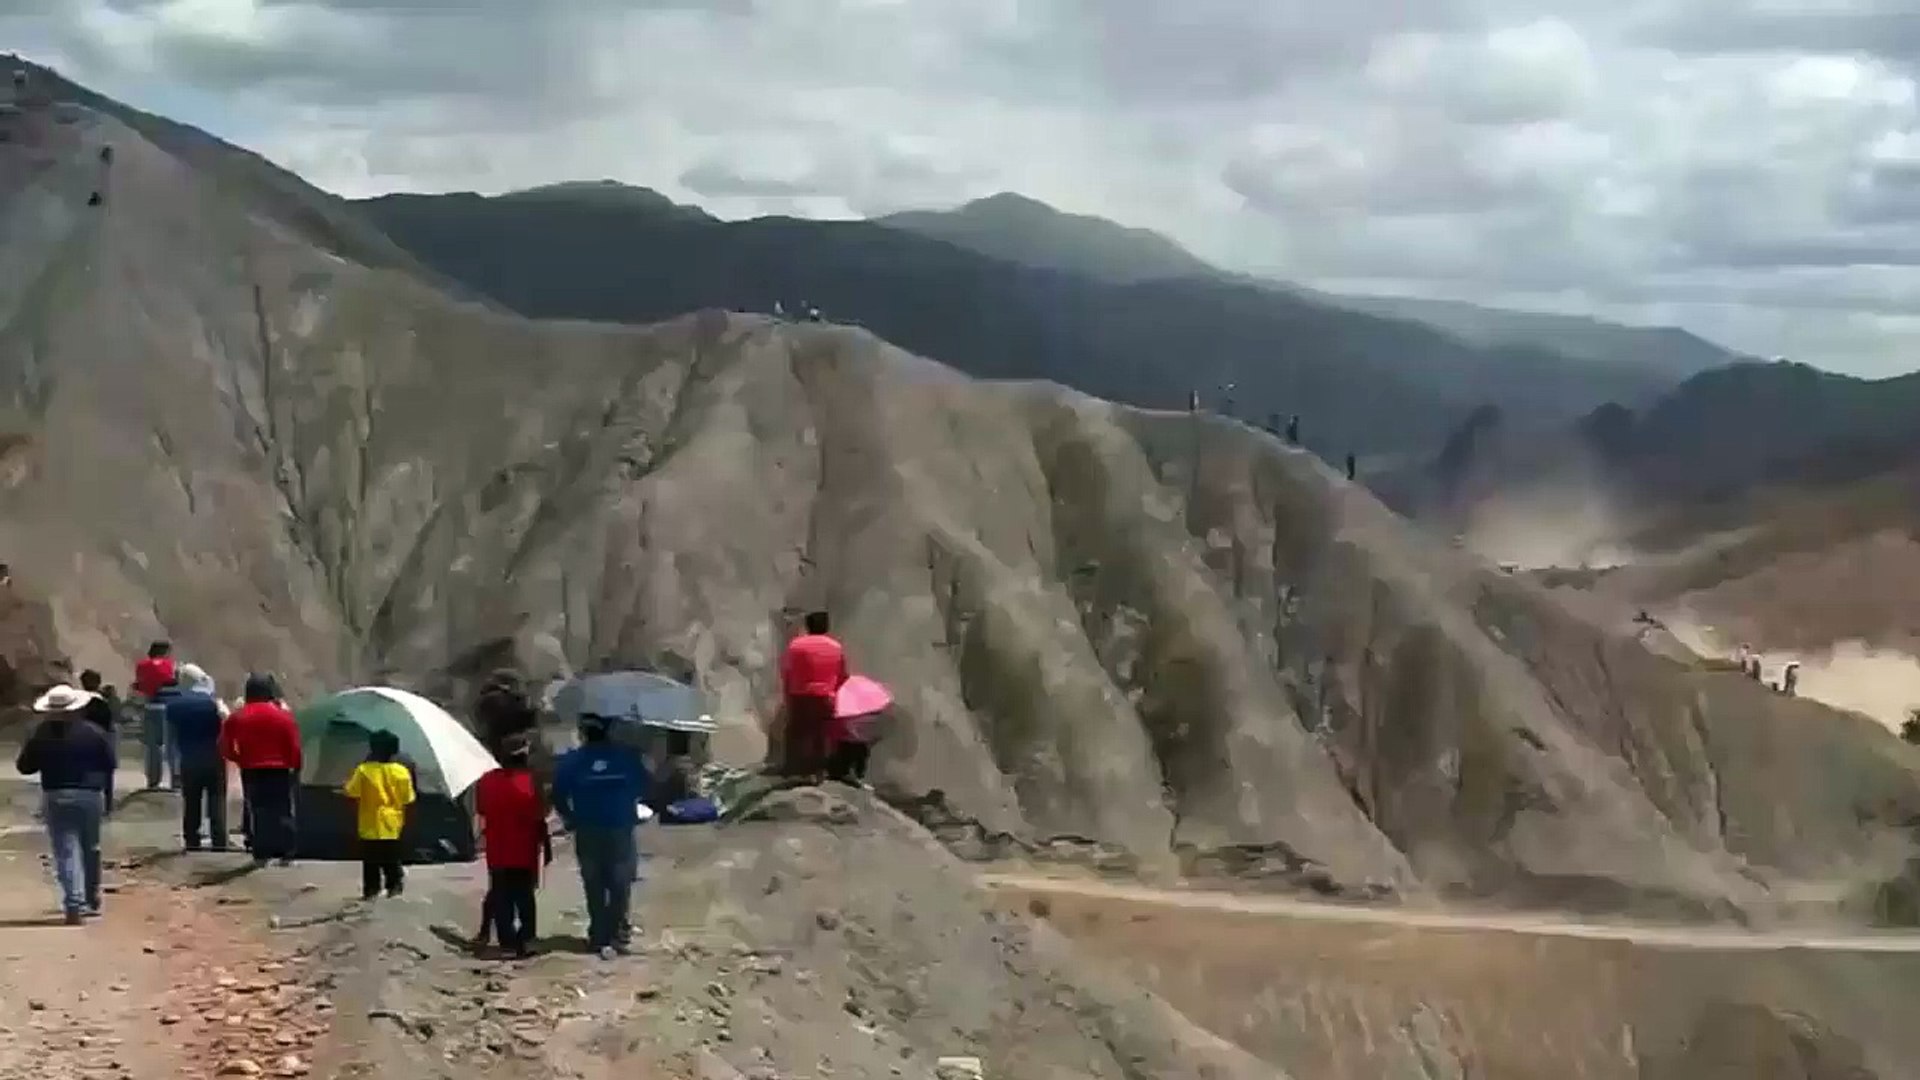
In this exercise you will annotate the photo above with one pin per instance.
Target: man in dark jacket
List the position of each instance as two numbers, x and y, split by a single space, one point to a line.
75 762
193 716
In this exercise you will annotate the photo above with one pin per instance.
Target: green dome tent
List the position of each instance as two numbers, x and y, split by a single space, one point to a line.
445 758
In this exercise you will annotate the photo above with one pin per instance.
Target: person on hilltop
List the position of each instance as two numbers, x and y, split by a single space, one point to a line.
811 672
75 761
381 789
195 715
153 677
514 829
597 788
263 741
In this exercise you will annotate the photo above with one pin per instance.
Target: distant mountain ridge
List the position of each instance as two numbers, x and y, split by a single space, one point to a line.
1363 383
1024 230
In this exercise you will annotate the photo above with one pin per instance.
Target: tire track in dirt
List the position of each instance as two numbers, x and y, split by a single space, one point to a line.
1707 938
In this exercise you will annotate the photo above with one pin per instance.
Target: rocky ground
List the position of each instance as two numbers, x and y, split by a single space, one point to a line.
834 939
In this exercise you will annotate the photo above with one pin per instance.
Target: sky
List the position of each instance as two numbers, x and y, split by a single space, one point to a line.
1747 169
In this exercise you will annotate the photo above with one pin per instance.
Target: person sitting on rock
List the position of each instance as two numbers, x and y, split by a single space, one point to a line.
514 830
381 789
597 788
75 762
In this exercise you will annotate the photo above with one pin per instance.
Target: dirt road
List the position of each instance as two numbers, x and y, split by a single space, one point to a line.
1714 939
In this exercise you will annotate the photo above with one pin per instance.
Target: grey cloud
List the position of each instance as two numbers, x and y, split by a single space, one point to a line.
715 179
1888 28
1639 155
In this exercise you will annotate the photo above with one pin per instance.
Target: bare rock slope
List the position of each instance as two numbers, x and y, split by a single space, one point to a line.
1151 632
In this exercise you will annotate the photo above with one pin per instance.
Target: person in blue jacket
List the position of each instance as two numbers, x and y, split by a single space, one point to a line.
194 715
597 788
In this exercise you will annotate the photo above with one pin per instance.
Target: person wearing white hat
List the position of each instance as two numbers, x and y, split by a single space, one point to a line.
75 761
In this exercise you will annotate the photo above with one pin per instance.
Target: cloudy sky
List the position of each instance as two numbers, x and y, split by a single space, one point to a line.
1749 169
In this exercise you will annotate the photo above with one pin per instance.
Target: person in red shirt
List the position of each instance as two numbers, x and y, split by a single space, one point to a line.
811 672
263 740
514 830
152 677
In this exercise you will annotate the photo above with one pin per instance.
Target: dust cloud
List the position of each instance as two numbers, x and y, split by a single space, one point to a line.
1566 525
1883 684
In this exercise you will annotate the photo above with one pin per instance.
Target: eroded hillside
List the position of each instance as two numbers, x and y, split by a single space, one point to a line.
1157 633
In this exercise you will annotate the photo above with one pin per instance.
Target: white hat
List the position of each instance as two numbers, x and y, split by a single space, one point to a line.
62 698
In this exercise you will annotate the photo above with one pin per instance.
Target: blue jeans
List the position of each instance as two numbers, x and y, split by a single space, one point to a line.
609 862
163 751
73 831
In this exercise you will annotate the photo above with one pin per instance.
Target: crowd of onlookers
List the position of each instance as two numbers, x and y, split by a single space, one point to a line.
191 739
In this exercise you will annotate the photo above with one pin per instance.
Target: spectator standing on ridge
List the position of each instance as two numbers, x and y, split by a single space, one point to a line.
75 762
263 739
195 714
152 678
597 788
811 672
514 824
381 789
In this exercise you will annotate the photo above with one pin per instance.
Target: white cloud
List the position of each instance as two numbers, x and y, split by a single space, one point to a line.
1748 169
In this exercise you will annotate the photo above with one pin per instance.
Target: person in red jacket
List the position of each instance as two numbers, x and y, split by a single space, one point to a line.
263 740
514 830
153 676
811 672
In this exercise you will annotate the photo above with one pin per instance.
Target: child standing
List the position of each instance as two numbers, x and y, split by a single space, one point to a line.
514 828
383 789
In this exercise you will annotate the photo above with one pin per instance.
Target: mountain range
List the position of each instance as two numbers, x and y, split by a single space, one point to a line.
1006 287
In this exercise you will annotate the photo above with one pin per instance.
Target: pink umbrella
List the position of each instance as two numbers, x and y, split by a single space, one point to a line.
860 696
855 706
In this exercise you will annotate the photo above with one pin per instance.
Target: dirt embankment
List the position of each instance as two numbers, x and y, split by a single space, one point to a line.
1349 996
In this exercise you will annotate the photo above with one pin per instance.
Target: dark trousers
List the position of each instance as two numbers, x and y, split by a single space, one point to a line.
203 798
609 861
269 795
848 763
380 865
511 905
809 733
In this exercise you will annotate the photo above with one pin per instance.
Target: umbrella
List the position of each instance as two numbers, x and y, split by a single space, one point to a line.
445 755
640 696
860 696
856 707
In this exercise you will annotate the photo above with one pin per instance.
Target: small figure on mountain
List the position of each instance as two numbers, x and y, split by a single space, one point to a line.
1353 467
1790 679
1293 430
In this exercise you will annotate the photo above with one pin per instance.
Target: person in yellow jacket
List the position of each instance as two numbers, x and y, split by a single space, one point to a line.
382 788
